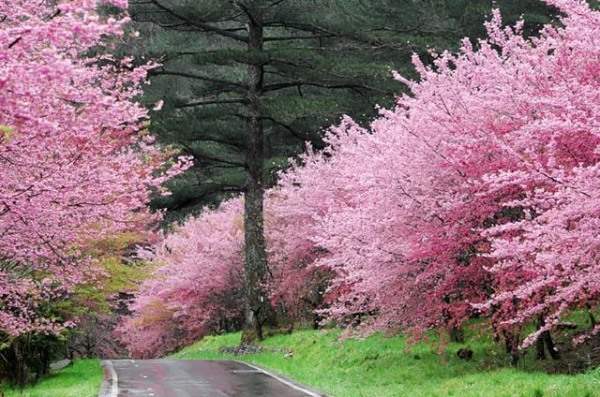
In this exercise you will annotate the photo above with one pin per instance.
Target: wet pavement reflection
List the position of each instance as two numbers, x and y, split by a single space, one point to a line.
175 378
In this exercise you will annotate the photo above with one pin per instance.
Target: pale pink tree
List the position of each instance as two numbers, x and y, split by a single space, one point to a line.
197 287
75 165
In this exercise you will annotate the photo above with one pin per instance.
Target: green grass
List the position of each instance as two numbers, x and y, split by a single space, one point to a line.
378 366
82 379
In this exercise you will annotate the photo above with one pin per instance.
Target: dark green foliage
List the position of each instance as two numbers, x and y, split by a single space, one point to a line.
28 357
321 59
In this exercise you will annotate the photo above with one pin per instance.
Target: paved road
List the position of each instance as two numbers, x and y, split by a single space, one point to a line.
174 378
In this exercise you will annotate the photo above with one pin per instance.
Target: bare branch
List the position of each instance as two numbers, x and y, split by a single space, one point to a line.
214 102
201 24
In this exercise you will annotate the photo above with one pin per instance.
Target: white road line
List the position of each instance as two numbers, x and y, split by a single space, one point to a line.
114 387
285 382
246 371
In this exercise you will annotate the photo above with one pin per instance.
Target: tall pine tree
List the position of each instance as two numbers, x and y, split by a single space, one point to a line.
247 82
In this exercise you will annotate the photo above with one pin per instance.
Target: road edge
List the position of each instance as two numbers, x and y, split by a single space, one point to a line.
285 380
110 383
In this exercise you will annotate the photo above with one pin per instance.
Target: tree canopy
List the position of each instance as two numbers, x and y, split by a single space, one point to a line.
321 60
475 196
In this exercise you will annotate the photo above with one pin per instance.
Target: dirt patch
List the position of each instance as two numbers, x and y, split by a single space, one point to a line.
575 359
252 349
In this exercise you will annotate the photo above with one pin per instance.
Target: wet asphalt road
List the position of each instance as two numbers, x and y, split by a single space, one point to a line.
174 378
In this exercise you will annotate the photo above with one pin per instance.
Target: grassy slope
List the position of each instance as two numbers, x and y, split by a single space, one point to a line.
82 379
378 366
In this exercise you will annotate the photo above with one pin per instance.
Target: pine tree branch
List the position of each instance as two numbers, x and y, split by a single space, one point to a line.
189 150
246 11
210 188
275 3
162 72
235 146
290 38
215 102
288 128
350 86
204 26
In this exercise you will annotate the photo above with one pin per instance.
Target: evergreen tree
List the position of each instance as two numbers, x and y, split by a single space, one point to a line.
365 40
246 83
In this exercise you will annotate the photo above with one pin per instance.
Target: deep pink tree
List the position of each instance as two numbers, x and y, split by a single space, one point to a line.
547 263
488 165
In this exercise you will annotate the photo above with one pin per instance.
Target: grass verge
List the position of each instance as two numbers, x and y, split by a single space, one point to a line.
82 379
380 366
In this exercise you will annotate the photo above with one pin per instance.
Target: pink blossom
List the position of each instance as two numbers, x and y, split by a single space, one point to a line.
477 194
73 167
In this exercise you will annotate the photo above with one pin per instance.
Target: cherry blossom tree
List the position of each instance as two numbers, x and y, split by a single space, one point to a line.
488 165
546 263
21 298
197 287
75 165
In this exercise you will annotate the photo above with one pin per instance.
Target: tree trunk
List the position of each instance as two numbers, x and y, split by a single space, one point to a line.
20 374
457 335
540 348
511 341
540 342
255 265
545 341
554 353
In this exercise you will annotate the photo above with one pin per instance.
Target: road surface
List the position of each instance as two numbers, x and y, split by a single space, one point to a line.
175 378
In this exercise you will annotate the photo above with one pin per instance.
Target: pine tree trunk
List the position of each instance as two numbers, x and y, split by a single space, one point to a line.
255 265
